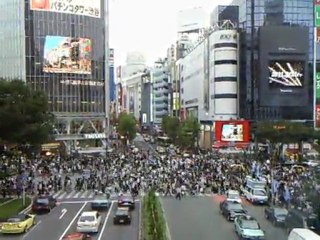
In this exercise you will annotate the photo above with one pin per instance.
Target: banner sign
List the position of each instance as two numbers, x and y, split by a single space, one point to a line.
317 15
318 87
317 116
317 2
78 7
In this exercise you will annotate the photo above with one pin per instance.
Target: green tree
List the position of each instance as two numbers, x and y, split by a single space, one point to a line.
24 116
127 126
170 126
188 132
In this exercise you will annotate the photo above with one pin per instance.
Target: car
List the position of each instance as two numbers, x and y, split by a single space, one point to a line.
248 228
20 223
122 216
277 215
126 200
100 202
231 210
233 196
77 236
89 222
302 219
42 204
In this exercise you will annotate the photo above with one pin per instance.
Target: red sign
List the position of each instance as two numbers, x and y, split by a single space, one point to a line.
316 2
318 116
232 131
318 35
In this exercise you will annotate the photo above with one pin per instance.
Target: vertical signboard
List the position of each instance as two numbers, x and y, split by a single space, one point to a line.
316 91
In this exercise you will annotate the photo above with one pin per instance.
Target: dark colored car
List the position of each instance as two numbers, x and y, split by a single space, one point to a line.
100 203
77 236
276 215
231 210
126 200
300 219
43 204
122 216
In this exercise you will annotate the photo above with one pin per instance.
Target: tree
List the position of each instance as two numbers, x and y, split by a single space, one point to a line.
170 126
282 132
127 126
188 132
24 115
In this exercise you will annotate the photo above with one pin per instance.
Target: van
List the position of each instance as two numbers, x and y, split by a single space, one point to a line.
299 219
302 234
256 195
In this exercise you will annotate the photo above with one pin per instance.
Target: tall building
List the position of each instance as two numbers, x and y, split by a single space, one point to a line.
62 49
225 12
161 90
276 38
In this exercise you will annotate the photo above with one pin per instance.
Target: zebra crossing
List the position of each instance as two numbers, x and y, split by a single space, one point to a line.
60 195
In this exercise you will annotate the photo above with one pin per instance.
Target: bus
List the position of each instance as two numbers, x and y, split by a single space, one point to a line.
163 141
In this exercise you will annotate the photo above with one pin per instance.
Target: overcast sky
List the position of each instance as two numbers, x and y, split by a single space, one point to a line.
148 26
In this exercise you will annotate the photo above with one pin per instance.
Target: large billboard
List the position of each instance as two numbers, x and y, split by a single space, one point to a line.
283 66
232 131
286 73
91 8
67 55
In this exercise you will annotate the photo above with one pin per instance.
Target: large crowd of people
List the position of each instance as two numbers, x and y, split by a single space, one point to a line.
171 174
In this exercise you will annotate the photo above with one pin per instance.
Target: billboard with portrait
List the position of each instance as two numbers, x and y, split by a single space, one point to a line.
67 55
91 8
283 74
232 131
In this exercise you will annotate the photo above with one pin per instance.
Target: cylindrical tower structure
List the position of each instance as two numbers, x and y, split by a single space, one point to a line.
225 71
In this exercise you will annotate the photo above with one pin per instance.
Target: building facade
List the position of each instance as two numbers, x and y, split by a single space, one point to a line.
61 49
161 91
288 20
209 78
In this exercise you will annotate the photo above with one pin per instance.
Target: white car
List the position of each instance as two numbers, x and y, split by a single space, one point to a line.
89 222
233 196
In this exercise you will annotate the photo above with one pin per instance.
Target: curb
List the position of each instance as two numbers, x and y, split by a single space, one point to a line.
26 210
168 233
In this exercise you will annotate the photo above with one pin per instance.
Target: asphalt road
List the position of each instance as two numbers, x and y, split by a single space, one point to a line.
63 219
199 218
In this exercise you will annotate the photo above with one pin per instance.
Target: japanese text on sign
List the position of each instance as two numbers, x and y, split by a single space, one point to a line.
78 7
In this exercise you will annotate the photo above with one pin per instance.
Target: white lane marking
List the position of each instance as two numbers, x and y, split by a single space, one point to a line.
90 201
57 194
72 221
63 212
105 222
165 220
26 234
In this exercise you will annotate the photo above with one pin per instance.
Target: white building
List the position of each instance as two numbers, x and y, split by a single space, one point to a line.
131 94
209 78
135 63
161 91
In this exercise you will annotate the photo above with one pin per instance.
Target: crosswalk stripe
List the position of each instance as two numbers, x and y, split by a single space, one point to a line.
61 196
57 194
91 195
77 194
84 194
70 195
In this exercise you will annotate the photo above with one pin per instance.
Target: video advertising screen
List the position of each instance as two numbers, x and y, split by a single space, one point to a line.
67 55
286 74
232 132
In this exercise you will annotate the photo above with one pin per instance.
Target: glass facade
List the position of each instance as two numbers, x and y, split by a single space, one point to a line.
252 15
12 34
68 90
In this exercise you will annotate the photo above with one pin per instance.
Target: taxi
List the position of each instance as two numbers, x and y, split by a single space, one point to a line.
20 223
77 236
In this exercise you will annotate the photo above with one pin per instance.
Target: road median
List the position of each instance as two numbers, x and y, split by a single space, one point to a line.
153 221
13 207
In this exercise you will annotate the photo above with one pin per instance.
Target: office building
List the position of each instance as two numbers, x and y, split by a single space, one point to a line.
161 90
225 12
64 52
276 38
